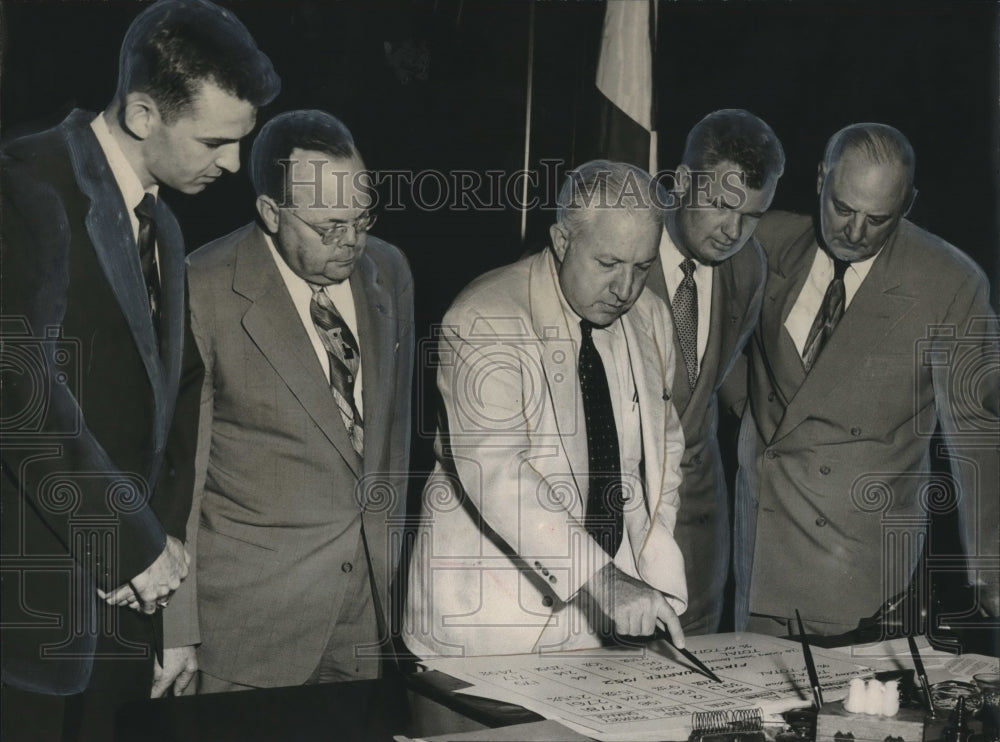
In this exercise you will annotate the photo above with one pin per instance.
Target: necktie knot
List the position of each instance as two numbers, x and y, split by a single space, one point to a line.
146 208
839 269
687 267
586 328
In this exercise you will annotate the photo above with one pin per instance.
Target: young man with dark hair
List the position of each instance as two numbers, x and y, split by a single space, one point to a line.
100 389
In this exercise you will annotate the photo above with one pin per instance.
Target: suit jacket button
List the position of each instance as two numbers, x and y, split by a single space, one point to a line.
697 460
545 572
346 567
770 396
552 579
824 470
821 521
855 432
547 601
538 565
770 454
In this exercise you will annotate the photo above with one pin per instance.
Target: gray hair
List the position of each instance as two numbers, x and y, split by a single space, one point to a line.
603 184
880 143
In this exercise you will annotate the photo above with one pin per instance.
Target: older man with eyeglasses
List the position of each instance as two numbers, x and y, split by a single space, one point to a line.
304 322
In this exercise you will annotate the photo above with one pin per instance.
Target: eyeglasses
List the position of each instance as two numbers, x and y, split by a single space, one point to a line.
335 233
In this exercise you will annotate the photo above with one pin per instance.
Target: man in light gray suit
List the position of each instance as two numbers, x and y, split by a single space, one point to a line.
304 322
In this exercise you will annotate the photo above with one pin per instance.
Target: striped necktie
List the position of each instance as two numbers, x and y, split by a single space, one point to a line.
829 314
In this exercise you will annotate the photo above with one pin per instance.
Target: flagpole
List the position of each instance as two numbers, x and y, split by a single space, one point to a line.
654 155
527 121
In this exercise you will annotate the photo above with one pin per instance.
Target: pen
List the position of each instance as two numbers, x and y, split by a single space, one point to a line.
918 665
810 665
688 655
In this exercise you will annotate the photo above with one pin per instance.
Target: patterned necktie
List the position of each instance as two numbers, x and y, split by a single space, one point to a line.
147 254
345 357
604 519
829 314
685 306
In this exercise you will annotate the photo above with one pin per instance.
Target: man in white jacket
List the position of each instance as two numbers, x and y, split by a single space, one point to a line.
547 524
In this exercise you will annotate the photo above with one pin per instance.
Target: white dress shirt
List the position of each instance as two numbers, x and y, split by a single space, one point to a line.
343 299
671 259
810 299
125 177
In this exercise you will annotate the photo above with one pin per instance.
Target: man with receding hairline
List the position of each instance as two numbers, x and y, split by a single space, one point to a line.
547 524
305 324
868 325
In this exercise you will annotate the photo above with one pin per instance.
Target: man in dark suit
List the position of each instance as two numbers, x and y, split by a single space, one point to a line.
97 454
710 271
872 333
304 322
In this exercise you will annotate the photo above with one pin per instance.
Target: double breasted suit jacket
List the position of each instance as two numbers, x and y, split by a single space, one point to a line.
703 523
97 467
501 549
833 488
282 495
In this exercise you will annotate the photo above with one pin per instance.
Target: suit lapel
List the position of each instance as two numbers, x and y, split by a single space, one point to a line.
737 291
559 364
709 371
646 357
110 229
681 392
784 283
170 256
657 282
874 311
273 323
372 303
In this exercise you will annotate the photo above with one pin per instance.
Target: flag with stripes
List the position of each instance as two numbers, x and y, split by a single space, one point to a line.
625 83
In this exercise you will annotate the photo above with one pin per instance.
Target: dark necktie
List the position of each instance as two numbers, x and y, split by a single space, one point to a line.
145 212
345 357
604 520
829 314
685 306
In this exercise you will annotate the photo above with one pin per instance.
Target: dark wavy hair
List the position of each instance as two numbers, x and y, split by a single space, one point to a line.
174 46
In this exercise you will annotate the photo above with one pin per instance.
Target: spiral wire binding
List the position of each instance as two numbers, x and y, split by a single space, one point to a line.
731 725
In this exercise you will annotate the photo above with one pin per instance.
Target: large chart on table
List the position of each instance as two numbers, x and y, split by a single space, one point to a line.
651 693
